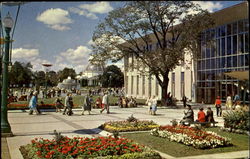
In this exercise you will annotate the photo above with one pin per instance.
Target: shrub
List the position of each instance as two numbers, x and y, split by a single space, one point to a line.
236 119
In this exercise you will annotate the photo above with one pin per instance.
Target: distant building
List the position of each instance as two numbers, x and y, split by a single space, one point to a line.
90 75
69 84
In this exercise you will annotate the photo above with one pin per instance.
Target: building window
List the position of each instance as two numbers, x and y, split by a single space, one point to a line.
132 84
247 60
156 87
223 47
234 61
137 85
143 85
223 30
182 84
173 84
229 61
240 26
240 43
235 28
241 61
229 29
218 47
246 43
229 46
235 44
149 85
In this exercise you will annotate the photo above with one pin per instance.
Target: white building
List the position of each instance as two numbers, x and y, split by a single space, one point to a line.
90 74
181 81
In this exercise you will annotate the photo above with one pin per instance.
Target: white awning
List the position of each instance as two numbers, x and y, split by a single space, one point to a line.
240 75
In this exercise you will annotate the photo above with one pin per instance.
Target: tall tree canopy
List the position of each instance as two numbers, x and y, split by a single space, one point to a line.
112 77
157 33
21 74
65 73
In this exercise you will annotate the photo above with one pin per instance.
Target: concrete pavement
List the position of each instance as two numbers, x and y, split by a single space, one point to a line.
26 127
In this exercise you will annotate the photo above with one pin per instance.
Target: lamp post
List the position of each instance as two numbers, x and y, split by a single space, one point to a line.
5 126
46 65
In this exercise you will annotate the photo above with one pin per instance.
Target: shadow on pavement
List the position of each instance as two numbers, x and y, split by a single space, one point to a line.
88 131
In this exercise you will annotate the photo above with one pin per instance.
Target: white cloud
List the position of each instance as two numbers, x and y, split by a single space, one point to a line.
56 19
73 58
83 13
89 10
210 6
98 7
21 53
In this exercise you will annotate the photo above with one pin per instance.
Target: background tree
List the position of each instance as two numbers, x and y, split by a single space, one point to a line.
21 74
65 73
52 78
112 77
39 79
174 25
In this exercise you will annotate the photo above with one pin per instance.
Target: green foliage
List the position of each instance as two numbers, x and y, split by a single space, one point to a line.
132 119
20 73
112 77
58 137
65 73
237 119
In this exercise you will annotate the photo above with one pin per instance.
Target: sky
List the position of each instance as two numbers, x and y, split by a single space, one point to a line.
60 33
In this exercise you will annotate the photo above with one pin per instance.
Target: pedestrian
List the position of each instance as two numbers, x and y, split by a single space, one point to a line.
33 104
210 115
229 102
154 105
68 105
218 106
201 116
105 102
188 116
87 104
58 104
149 103
236 100
184 100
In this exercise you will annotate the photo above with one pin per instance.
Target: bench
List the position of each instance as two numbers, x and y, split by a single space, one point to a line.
204 123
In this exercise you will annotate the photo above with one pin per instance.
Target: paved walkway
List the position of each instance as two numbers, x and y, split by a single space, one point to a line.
26 127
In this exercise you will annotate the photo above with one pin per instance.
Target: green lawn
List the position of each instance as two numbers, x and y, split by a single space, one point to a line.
240 142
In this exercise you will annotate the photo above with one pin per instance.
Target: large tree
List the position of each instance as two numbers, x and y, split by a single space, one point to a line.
132 30
21 73
65 73
112 77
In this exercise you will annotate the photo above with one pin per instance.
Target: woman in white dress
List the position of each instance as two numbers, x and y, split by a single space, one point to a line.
149 103
229 102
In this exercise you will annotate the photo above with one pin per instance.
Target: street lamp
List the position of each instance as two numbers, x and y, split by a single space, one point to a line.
5 126
46 65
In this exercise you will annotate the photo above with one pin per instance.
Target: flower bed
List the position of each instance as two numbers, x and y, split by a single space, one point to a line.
123 126
78 147
191 137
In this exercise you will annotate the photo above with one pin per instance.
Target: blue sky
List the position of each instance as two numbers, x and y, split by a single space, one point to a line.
60 33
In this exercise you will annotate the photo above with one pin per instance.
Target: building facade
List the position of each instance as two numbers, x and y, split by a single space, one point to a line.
228 51
203 80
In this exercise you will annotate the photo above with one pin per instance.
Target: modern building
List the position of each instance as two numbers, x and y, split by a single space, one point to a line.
203 80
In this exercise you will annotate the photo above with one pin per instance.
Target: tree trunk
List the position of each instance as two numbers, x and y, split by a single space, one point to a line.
164 89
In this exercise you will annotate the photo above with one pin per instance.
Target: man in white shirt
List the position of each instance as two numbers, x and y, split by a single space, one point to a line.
105 102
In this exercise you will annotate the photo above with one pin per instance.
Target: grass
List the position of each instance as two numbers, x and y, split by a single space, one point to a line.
240 142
